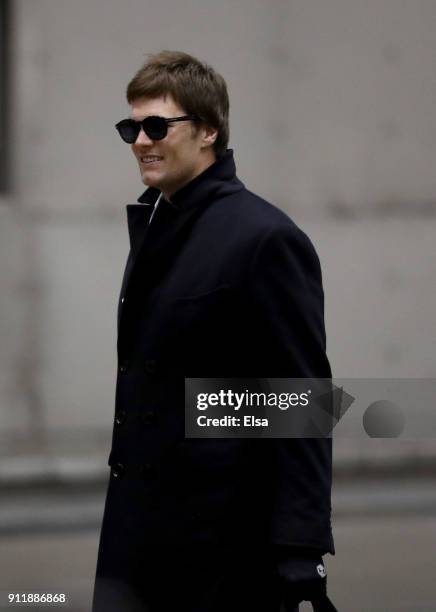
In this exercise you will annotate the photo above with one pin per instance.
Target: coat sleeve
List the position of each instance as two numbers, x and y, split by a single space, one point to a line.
287 303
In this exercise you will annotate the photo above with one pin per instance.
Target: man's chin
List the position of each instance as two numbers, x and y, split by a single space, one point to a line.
150 181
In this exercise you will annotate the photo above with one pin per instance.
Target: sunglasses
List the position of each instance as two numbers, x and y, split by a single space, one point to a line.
155 127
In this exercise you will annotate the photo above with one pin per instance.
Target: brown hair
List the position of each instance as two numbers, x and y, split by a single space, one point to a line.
194 86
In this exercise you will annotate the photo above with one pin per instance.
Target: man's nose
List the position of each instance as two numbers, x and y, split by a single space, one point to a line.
143 138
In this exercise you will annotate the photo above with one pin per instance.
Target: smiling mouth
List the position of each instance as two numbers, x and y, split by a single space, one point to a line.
150 160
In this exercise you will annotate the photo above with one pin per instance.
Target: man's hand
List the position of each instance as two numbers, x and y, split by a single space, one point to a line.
304 578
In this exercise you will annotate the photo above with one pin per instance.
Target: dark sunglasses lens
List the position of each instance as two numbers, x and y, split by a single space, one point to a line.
155 127
128 130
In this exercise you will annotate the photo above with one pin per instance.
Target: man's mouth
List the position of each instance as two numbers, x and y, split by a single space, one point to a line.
149 159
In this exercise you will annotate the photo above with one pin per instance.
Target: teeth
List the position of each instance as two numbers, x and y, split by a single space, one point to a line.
150 159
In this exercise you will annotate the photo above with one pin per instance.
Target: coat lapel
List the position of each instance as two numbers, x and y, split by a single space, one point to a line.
153 246
138 217
155 241
138 220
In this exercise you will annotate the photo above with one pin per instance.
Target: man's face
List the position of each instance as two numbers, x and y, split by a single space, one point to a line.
184 152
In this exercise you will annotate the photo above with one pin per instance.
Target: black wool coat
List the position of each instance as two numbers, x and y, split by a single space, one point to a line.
221 283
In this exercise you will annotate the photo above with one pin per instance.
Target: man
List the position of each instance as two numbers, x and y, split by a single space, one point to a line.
218 283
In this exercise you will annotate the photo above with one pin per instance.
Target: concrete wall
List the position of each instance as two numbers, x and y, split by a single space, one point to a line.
332 119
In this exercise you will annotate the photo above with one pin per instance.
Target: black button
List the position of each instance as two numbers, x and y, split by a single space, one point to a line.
118 470
149 417
146 470
124 364
150 366
120 417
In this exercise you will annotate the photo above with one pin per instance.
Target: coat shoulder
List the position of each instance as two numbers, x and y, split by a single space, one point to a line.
250 217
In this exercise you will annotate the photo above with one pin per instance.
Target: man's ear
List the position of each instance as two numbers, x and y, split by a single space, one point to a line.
210 134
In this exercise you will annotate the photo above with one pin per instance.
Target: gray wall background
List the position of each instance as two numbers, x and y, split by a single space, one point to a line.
332 119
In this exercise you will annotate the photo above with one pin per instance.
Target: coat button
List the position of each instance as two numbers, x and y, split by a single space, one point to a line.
150 366
146 470
124 364
149 417
120 417
122 300
118 470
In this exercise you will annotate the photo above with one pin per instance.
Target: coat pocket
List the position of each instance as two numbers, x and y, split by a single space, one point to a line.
204 330
219 292
202 313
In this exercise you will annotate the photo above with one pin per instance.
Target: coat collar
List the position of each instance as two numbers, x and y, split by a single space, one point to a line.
219 179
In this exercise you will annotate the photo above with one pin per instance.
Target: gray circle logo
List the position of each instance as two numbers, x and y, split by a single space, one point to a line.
384 419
